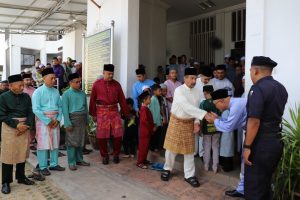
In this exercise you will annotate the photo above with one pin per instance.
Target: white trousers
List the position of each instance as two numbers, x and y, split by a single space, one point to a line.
199 145
189 164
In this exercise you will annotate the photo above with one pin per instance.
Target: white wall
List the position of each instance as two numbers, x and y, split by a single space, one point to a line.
125 14
153 30
272 30
178 39
178 33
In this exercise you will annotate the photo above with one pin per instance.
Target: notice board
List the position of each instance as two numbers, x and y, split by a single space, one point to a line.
97 53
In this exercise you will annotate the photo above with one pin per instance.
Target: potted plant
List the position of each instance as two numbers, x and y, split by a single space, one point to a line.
91 130
287 176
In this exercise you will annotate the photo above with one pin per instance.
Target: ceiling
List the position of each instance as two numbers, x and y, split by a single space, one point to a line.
42 16
181 9
60 16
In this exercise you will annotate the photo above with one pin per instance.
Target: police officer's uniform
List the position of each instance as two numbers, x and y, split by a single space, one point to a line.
266 101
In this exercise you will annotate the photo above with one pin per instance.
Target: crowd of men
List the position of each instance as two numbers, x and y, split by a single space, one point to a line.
189 108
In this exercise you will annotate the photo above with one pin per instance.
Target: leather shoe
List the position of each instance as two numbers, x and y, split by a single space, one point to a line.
116 159
105 161
5 188
57 168
26 181
234 193
72 167
83 163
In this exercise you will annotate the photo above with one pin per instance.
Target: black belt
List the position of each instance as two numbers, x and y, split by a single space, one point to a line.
270 135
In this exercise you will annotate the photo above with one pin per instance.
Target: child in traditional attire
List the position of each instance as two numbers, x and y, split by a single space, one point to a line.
211 137
146 130
155 108
131 131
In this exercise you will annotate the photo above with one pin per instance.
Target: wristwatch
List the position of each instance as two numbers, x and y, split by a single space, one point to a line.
247 146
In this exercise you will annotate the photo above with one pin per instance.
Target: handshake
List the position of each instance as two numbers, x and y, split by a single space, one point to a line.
210 117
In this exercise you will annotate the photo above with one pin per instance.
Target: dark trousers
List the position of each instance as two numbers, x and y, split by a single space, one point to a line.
162 137
265 155
154 141
117 142
7 172
129 140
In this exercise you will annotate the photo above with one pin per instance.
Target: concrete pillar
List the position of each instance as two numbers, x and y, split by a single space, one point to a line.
15 60
130 44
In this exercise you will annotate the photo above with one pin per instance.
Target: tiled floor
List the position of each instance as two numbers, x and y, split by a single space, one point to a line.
120 181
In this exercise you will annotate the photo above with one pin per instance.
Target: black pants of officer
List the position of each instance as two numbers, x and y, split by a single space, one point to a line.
7 172
265 155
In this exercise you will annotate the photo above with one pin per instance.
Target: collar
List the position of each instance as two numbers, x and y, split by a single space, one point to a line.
264 78
185 86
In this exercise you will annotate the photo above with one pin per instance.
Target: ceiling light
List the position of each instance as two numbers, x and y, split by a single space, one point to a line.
72 18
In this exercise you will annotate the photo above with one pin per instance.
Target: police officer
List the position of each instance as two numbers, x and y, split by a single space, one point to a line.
263 146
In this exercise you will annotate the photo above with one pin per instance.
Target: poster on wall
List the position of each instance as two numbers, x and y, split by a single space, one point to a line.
97 53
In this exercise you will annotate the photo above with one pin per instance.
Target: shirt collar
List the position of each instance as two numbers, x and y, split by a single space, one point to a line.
264 78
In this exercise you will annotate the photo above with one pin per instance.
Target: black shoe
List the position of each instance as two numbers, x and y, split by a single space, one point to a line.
45 172
105 161
165 175
26 181
83 163
116 159
193 181
234 193
5 188
57 168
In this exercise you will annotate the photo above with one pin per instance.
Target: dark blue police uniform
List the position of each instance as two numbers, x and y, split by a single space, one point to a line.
266 101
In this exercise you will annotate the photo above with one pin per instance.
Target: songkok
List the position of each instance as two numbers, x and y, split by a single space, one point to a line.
4 81
47 71
140 71
163 86
73 76
27 75
206 71
221 67
190 71
144 95
109 67
227 56
242 58
155 87
263 61
208 88
15 78
219 94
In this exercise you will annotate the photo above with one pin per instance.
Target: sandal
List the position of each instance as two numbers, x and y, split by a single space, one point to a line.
193 181
165 175
142 166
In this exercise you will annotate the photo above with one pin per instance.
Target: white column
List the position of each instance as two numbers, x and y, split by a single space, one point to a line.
129 43
15 60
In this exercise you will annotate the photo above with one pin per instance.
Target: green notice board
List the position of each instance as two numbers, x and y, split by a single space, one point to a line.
97 53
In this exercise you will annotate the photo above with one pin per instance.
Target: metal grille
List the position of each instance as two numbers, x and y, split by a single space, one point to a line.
201 32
